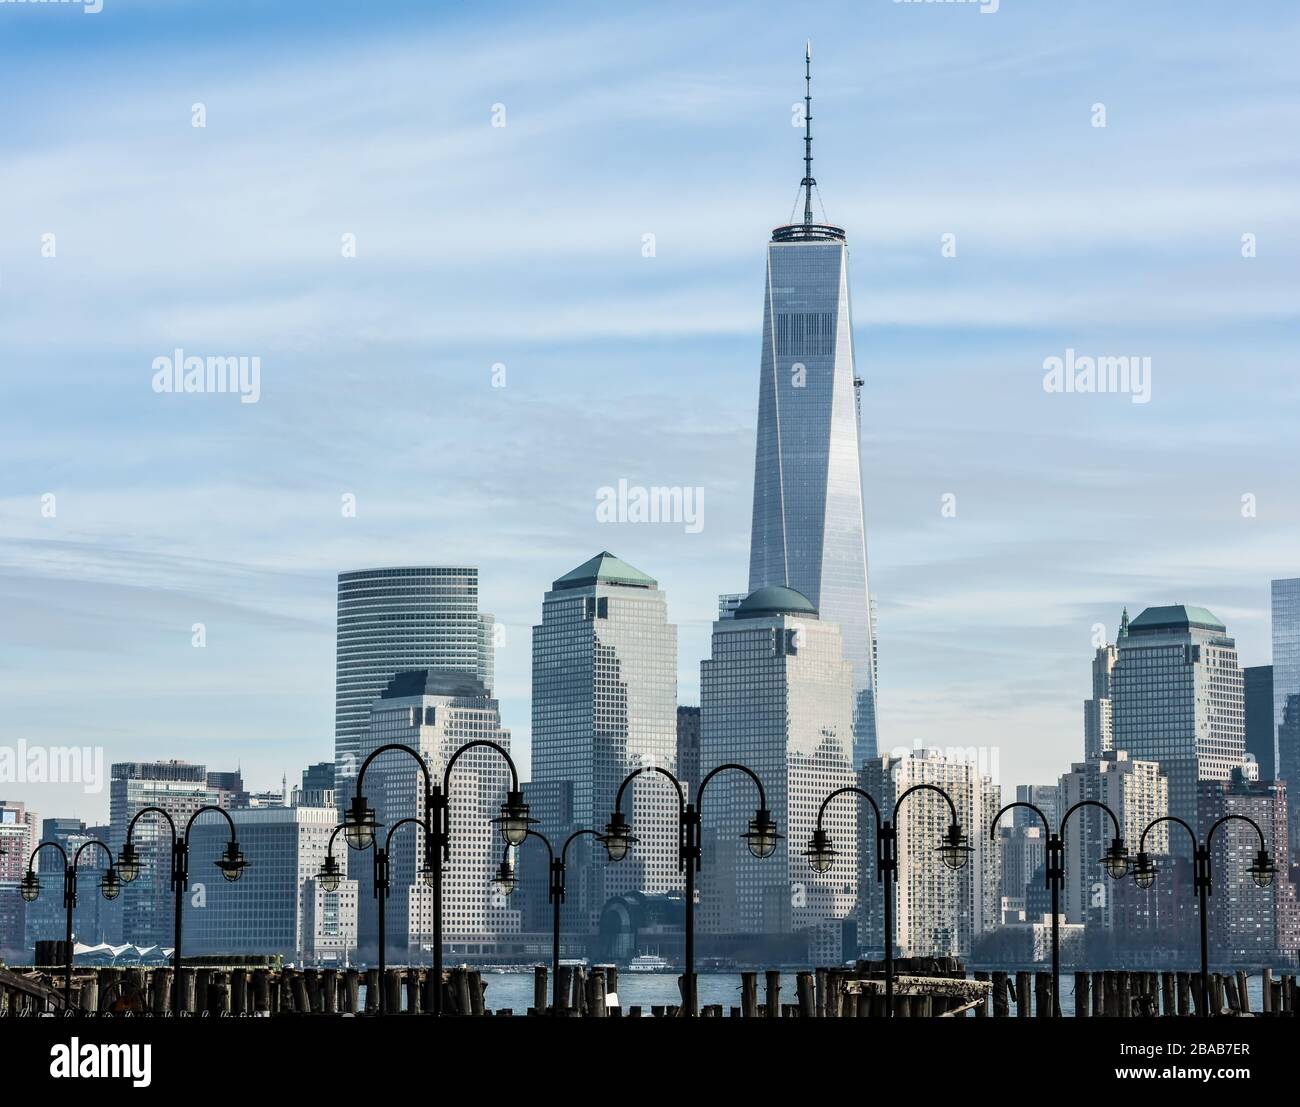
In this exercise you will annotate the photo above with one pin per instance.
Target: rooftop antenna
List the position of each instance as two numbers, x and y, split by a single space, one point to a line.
808 182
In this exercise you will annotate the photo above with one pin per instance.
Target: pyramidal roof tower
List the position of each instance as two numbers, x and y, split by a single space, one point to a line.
809 531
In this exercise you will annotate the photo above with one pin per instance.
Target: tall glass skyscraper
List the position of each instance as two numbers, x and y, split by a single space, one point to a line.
605 703
809 532
1286 653
1179 700
398 620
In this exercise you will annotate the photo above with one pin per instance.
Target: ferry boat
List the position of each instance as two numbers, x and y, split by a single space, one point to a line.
648 962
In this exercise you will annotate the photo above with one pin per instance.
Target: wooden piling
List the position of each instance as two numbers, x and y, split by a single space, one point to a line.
1000 1005
807 995
185 980
773 993
1081 982
749 995
539 989
1024 1005
596 1002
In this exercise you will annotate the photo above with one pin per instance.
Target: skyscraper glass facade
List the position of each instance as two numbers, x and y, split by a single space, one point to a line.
397 620
604 703
808 531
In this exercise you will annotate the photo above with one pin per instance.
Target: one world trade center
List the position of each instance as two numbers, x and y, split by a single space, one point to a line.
808 529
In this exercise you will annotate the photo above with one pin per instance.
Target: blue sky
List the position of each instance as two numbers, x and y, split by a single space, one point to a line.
522 245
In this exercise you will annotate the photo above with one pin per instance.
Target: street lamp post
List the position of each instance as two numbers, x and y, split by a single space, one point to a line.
1115 862
761 836
821 856
1261 871
30 888
359 829
505 880
232 865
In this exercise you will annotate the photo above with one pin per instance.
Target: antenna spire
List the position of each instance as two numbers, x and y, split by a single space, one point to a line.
808 180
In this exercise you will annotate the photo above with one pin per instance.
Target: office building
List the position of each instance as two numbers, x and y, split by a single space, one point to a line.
19 834
809 531
938 912
276 907
1024 850
145 907
396 620
1046 797
1098 737
1261 733
776 695
605 703
435 712
1248 923
46 916
688 744
1138 793
1179 701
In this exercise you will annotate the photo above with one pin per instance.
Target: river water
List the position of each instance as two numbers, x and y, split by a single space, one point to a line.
646 990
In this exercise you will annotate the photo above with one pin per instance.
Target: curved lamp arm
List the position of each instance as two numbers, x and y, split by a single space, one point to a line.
446 776
993 827
762 796
1209 837
1092 803
677 785
844 791
952 807
220 811
1142 842
387 747
93 842
49 845
145 811
388 839
564 851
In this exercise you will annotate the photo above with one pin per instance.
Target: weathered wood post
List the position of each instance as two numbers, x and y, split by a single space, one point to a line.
351 990
539 989
372 991
329 988
1183 983
820 979
596 1002
1081 983
566 987
806 991
749 995
772 982
1168 1003
580 989
1043 995
185 986
1265 992
261 991
1000 1004
1024 1006
1243 992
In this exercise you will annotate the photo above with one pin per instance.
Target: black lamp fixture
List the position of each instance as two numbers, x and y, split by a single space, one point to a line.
505 879
820 852
128 863
30 886
761 835
1115 861
1262 869
513 822
618 837
359 827
110 886
329 876
955 851
233 862
1144 871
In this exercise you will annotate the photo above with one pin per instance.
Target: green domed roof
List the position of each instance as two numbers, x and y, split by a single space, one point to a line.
774 599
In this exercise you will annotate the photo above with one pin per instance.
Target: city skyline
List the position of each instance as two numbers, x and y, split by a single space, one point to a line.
228 515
